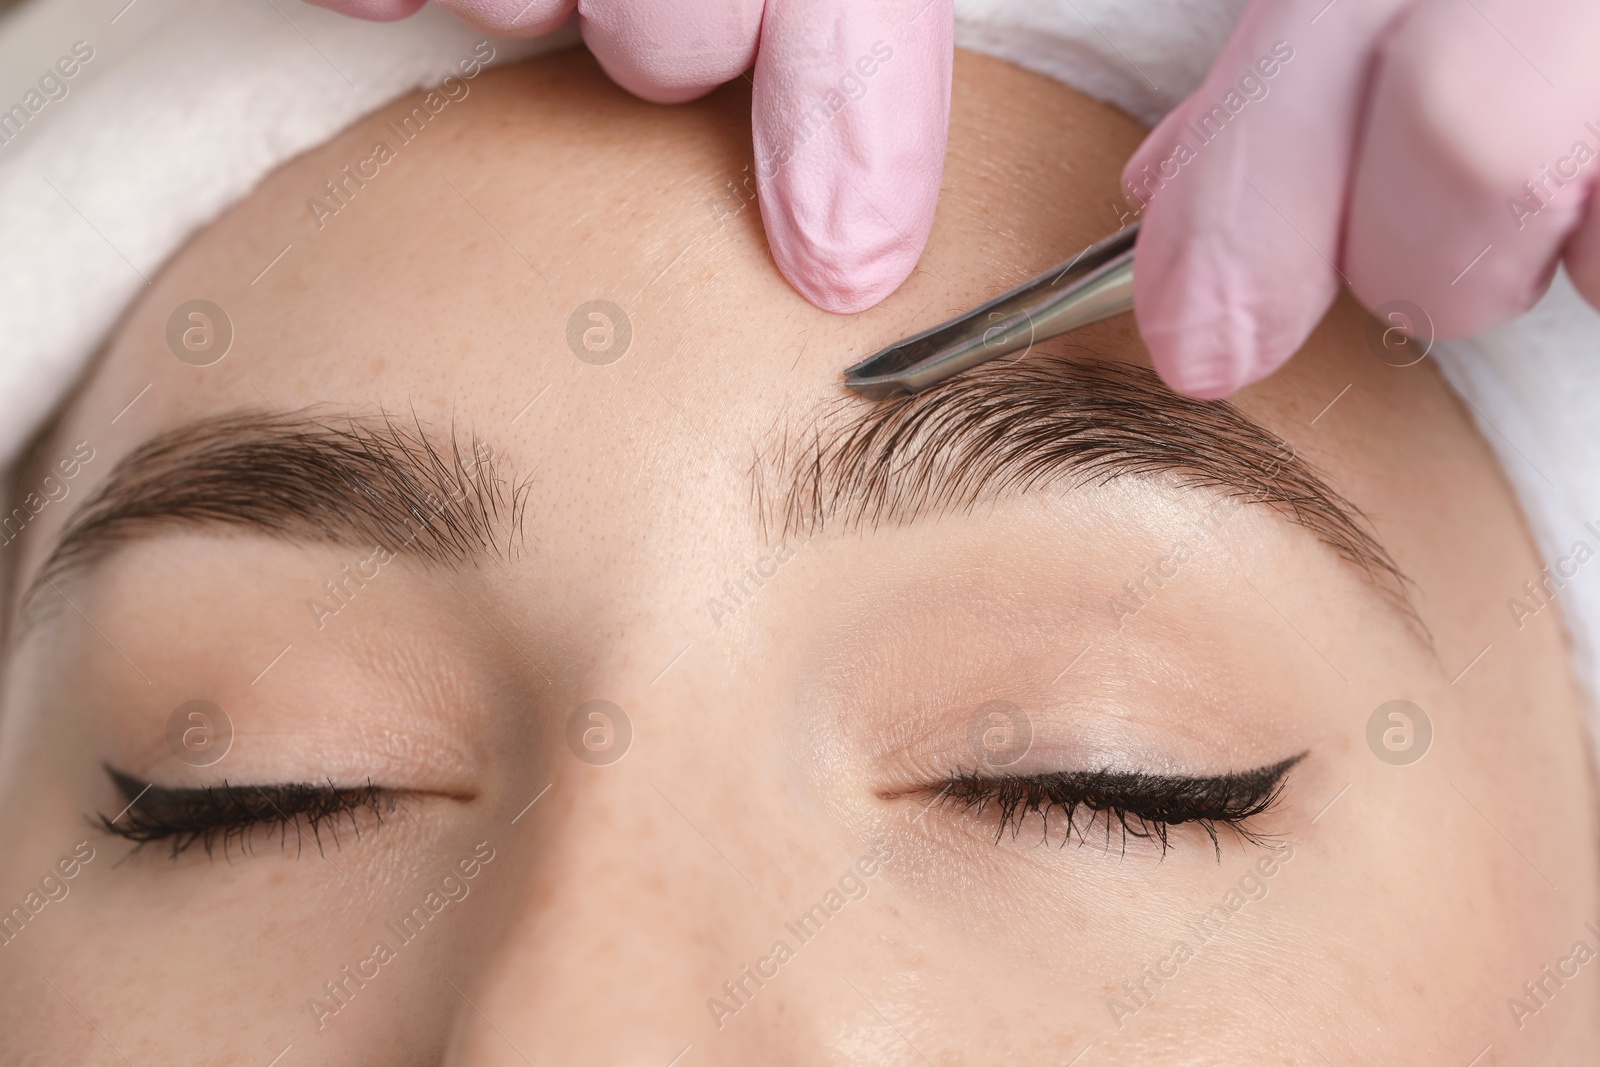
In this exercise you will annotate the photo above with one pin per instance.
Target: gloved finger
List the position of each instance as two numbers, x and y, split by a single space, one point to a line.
1467 187
513 18
375 10
851 115
1241 191
670 51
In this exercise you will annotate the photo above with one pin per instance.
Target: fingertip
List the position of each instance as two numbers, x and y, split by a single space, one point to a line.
845 234
1209 344
1222 308
1204 371
671 51
372 10
511 18
647 85
851 111
844 280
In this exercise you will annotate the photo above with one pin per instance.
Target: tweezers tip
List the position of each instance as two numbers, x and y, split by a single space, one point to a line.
876 388
878 377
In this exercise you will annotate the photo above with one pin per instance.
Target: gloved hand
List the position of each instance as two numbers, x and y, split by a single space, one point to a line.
1437 152
851 111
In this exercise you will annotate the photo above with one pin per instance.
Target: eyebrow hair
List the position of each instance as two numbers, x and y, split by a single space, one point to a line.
1024 424
358 481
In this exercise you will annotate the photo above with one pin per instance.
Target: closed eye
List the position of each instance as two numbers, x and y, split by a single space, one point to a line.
229 814
1144 806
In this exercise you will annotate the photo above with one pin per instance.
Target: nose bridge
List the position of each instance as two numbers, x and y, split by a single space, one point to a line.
624 911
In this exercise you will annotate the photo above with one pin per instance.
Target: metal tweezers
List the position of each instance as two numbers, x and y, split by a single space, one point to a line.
1095 284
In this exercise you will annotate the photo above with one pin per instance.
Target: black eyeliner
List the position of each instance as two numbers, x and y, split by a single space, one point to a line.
1142 805
227 814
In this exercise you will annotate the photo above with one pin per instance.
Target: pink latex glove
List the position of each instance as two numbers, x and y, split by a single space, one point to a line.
1440 152
851 111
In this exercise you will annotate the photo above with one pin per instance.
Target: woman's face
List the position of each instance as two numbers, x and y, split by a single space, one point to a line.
580 676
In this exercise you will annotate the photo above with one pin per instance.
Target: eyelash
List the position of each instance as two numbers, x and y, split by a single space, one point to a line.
1143 806
226 815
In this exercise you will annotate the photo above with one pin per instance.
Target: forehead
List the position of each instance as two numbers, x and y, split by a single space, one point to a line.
592 295
599 260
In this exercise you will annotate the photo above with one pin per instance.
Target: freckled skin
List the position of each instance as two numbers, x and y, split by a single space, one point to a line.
768 751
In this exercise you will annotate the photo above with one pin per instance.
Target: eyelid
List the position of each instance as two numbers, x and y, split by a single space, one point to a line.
230 813
1143 805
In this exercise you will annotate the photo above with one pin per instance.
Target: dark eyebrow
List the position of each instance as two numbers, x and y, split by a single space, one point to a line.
363 482
1045 420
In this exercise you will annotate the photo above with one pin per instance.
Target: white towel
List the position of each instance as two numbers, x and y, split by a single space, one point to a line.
186 104
184 107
